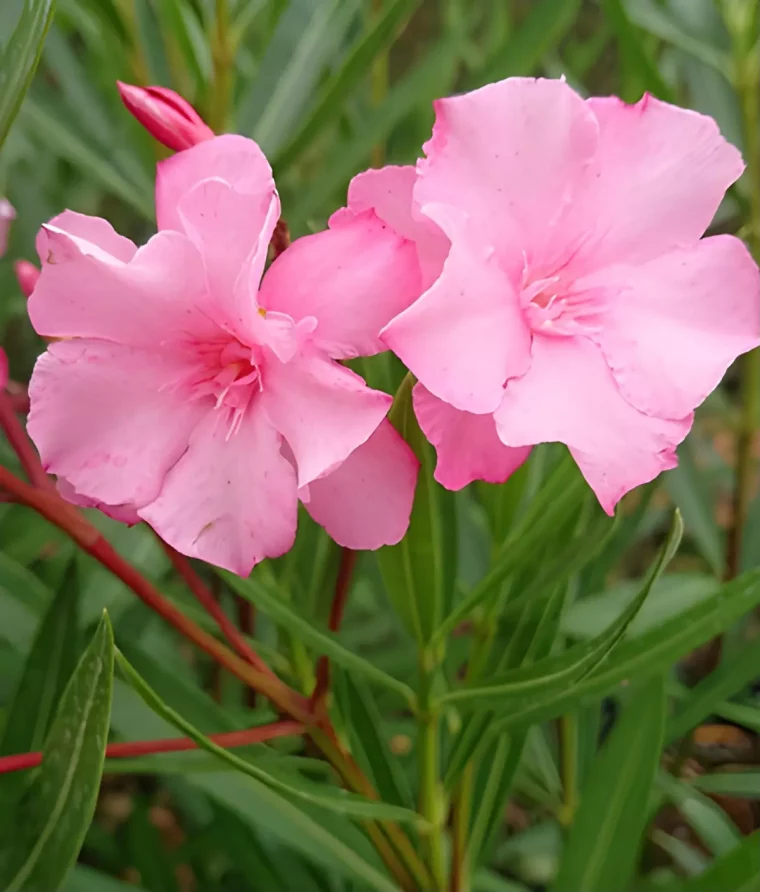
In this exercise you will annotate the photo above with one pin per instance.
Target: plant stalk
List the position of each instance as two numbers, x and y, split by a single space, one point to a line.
431 789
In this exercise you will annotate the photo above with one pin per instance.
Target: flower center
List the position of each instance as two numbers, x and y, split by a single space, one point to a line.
556 307
227 371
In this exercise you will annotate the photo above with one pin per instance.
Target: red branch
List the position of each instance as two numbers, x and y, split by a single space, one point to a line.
229 740
67 518
21 444
207 600
340 598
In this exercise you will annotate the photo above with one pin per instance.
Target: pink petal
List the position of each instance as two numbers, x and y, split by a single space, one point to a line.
323 410
569 396
466 335
511 155
660 174
101 421
467 445
353 279
231 230
84 291
3 369
94 230
679 322
232 158
231 501
389 192
366 503
122 513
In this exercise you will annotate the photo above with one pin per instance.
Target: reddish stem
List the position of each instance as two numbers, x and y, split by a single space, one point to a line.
68 519
229 739
212 606
21 443
340 599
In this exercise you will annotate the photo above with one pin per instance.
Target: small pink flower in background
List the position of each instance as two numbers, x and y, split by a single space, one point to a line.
27 276
165 115
187 392
7 216
568 296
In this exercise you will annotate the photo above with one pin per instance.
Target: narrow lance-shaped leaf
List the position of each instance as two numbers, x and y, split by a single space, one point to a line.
557 674
331 100
20 57
322 641
645 655
415 571
53 817
606 833
48 667
324 796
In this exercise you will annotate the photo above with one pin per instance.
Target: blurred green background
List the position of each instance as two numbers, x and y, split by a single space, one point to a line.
329 87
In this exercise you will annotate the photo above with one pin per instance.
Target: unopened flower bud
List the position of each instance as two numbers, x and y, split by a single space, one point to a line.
165 115
27 275
7 216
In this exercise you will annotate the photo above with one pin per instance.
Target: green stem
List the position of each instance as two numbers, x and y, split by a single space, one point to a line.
460 808
568 737
222 54
431 790
748 87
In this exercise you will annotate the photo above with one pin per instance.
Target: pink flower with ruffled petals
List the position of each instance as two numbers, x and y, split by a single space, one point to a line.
185 391
576 301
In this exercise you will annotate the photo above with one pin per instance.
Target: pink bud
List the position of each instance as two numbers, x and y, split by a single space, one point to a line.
27 275
165 115
7 216
3 369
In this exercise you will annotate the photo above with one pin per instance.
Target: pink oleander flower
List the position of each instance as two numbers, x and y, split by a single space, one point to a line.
185 391
165 115
568 294
7 216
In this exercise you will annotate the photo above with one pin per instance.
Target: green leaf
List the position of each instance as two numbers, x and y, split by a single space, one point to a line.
606 832
738 784
660 22
430 78
669 597
557 500
48 666
648 654
307 38
635 55
20 57
414 571
51 822
331 102
708 820
544 27
737 670
686 486
366 722
738 871
344 855
60 139
85 879
322 641
557 674
320 795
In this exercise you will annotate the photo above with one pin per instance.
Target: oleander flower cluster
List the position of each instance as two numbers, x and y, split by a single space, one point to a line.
541 272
